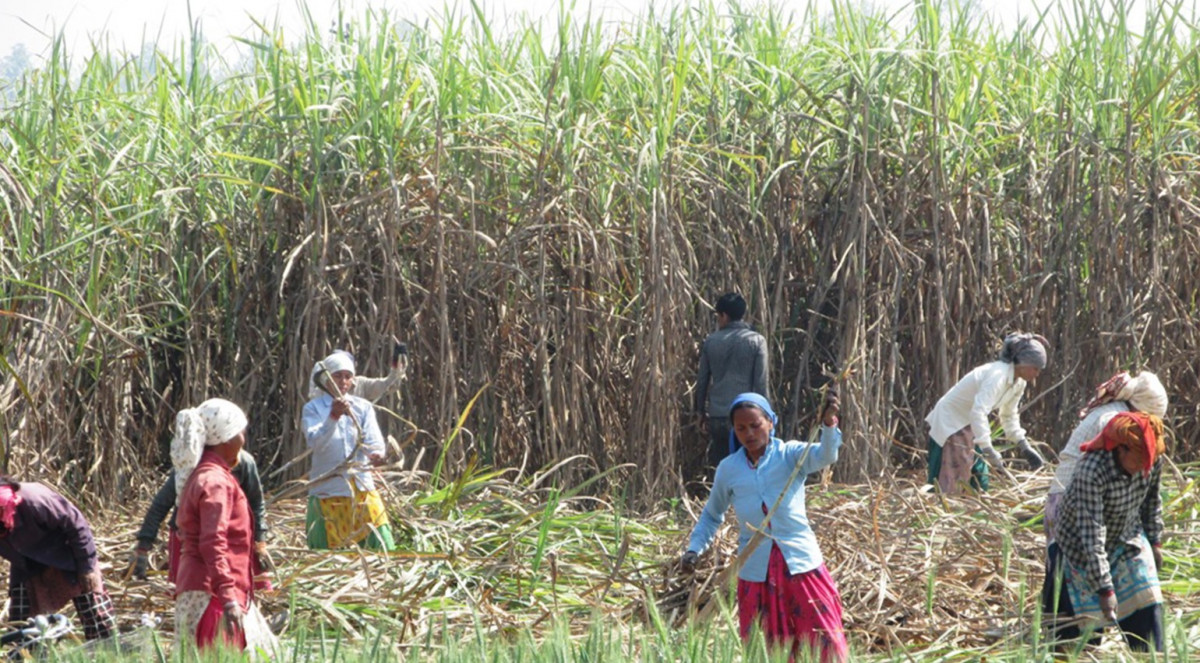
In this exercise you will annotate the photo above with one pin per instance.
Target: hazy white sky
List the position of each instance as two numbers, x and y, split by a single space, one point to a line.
126 24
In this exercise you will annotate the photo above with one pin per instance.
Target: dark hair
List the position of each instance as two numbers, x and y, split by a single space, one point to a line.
748 405
732 305
6 480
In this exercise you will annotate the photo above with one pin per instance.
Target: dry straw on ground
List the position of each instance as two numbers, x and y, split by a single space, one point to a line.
916 570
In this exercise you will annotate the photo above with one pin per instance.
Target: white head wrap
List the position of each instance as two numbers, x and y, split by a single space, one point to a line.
213 422
340 360
1146 394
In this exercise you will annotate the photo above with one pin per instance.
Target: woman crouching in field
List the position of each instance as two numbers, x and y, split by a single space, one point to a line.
215 581
1109 528
959 434
1120 393
53 555
784 587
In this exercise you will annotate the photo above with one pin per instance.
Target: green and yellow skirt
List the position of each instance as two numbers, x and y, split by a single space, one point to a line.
339 522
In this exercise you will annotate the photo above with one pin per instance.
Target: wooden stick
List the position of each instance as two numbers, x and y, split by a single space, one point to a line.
723 578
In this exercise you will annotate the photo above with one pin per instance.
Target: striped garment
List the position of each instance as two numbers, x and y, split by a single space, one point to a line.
95 609
1105 509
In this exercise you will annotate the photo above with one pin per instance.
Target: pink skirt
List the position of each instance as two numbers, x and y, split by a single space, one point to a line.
958 457
803 610
211 627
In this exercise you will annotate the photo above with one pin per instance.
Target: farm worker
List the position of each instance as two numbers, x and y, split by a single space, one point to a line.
959 434
734 358
1109 532
215 580
344 508
246 473
371 389
783 584
1120 393
52 554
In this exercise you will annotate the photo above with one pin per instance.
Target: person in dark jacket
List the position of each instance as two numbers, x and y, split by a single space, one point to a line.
246 473
52 553
734 360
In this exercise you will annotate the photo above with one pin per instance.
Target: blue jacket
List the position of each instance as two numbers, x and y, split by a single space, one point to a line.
748 489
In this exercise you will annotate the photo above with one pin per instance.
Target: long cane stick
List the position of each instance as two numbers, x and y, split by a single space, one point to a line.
324 379
760 533
326 383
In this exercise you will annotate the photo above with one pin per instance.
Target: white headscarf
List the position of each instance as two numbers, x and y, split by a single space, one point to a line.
1145 393
213 422
340 360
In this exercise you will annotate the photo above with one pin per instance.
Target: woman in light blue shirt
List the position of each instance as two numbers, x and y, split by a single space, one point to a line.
783 584
344 508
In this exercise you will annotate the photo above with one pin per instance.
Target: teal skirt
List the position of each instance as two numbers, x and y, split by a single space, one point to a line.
980 473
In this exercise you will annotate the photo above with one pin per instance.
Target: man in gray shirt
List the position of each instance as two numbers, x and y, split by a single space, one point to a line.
735 358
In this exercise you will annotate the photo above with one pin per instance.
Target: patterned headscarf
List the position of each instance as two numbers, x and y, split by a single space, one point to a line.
1025 349
340 360
1145 393
757 401
9 500
1140 433
213 422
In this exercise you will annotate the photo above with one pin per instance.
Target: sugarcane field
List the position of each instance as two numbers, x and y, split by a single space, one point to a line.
517 330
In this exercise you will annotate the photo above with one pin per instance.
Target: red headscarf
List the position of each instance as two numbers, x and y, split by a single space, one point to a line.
1138 432
9 499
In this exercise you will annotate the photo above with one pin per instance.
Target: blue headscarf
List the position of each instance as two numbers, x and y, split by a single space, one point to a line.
759 402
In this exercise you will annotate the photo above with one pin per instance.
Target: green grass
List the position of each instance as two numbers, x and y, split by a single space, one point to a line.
597 639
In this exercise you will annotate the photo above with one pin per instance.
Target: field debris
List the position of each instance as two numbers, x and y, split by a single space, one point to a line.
916 570
919 570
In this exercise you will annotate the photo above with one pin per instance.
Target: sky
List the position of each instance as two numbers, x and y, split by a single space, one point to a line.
127 24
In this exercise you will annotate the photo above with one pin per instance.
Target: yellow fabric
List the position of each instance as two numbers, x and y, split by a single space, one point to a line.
349 520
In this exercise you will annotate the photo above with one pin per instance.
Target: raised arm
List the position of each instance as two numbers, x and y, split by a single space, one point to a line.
814 457
373 389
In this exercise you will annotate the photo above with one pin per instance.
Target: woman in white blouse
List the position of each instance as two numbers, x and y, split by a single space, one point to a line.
959 434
